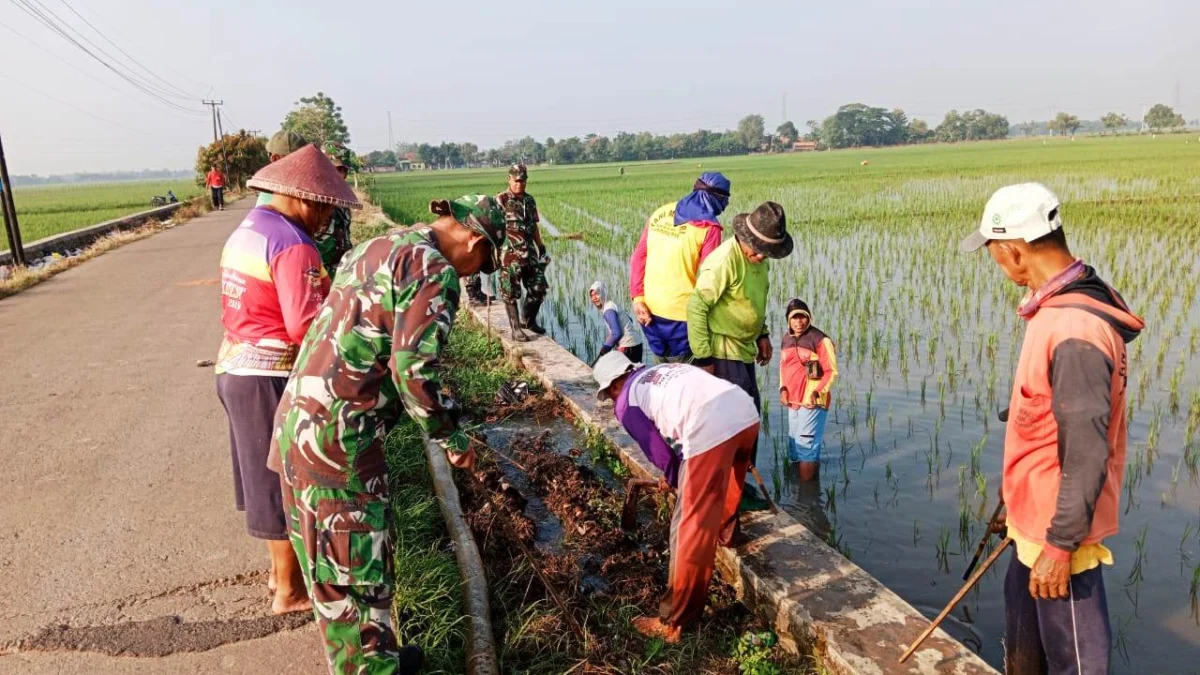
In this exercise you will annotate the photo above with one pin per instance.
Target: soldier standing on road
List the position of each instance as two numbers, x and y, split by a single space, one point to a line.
524 260
370 357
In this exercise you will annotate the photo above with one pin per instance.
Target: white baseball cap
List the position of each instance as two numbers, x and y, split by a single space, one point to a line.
1024 211
608 368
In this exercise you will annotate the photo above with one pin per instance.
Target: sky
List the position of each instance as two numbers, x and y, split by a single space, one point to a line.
490 71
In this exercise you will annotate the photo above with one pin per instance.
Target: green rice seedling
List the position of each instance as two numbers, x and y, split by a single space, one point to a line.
1185 554
916 534
1137 572
1194 594
977 455
943 546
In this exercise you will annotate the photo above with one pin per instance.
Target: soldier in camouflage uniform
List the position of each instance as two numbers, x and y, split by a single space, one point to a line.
334 241
524 259
369 357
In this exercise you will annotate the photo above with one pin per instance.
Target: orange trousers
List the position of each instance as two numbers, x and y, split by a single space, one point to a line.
706 513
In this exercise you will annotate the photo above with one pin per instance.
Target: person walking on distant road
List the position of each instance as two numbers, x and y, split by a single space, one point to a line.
215 182
807 371
272 284
370 357
282 144
524 261
727 311
1064 446
662 270
700 431
621 334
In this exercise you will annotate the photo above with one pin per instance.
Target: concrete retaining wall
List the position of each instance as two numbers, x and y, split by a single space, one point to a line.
817 599
69 241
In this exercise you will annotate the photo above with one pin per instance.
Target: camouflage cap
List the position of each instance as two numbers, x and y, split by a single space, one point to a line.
479 213
284 143
518 171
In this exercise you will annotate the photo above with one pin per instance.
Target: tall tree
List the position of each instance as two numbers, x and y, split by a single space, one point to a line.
319 120
1114 121
1163 116
789 131
919 131
1028 128
1064 123
244 152
751 130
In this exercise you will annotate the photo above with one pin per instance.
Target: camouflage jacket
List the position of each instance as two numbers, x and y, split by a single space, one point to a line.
521 217
369 356
334 241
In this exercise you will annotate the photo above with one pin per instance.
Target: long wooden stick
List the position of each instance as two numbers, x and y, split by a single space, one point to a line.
962 592
987 534
763 486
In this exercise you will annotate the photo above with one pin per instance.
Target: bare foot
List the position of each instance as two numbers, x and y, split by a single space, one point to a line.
272 582
652 626
286 604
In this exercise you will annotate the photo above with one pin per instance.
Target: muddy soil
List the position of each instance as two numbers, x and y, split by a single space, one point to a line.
606 575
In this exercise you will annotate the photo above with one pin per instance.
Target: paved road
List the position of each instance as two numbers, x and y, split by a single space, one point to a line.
118 505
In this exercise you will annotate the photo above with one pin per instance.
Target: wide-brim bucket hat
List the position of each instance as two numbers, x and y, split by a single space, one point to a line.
765 230
305 174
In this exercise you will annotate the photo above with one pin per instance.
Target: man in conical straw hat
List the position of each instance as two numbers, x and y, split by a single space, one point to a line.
272 284
368 359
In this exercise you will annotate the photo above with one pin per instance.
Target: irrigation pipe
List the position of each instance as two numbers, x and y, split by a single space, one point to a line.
481 644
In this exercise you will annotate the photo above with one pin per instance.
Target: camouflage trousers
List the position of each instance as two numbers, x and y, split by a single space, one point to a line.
522 272
345 549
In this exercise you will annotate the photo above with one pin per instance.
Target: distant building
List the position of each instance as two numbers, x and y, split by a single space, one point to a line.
804 146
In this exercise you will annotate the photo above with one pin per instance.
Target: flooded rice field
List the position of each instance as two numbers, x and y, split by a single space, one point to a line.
927 340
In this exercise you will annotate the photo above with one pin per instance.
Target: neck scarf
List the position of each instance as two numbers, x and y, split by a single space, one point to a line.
1034 299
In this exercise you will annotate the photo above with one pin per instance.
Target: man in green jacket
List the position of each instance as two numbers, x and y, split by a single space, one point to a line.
727 313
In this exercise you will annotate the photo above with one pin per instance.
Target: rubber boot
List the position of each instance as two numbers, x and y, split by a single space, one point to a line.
475 291
531 311
514 321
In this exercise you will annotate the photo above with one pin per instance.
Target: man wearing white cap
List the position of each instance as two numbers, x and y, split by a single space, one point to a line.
700 431
1064 446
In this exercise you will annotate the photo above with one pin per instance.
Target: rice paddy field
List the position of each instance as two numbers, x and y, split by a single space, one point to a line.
47 211
927 340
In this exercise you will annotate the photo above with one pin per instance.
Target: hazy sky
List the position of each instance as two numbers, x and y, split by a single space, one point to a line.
489 71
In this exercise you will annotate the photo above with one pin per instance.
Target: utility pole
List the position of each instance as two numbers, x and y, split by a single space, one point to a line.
391 139
11 228
216 138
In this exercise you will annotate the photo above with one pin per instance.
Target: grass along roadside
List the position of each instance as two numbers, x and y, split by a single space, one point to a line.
21 278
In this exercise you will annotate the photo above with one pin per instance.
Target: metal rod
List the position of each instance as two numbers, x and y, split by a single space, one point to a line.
987 535
962 592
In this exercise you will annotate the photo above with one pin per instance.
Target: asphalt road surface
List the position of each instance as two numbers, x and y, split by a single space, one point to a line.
120 549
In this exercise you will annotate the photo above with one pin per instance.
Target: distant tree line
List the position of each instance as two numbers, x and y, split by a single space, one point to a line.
99 177
854 125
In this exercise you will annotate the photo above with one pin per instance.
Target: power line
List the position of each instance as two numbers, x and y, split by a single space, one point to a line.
77 108
28 7
179 92
165 67
60 25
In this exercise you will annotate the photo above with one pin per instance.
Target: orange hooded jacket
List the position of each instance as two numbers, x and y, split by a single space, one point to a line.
1064 448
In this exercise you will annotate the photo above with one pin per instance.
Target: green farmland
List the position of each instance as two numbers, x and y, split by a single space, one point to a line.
47 211
927 340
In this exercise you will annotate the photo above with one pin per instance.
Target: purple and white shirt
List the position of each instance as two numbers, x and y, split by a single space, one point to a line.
676 411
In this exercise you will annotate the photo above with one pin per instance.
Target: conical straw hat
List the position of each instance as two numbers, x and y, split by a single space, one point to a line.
305 174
